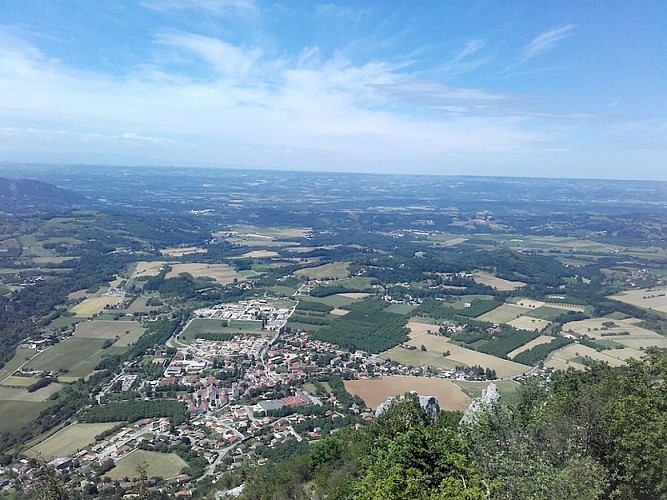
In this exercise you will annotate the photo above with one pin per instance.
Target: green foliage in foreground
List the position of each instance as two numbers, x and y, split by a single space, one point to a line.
599 434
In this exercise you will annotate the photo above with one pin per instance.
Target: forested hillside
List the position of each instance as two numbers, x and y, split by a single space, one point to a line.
587 435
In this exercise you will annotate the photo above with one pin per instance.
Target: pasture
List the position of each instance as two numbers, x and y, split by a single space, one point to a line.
646 298
12 394
79 356
376 391
528 323
107 329
221 273
20 357
500 284
95 305
331 270
502 314
463 356
16 414
165 465
68 441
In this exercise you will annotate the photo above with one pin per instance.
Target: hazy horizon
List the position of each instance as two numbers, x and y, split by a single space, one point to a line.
549 89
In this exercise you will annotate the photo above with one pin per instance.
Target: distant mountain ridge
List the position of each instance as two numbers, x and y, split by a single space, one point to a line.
27 195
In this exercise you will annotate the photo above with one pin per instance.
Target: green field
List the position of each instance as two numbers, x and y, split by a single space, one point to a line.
206 325
139 305
15 414
15 394
545 312
107 329
311 388
418 357
66 322
502 314
245 324
20 357
69 440
79 356
335 300
283 290
332 270
202 325
129 339
400 308
165 465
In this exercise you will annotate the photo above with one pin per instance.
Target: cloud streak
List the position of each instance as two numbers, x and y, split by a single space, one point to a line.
547 40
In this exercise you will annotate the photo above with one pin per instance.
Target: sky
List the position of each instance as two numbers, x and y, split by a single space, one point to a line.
562 88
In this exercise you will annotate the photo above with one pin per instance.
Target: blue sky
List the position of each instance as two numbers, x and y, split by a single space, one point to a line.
527 88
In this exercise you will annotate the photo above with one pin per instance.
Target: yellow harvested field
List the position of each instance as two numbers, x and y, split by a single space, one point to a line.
353 295
528 323
637 337
180 252
418 329
69 440
376 391
501 284
94 305
260 254
542 339
222 273
461 355
625 353
339 312
528 303
417 357
647 298
567 357
144 268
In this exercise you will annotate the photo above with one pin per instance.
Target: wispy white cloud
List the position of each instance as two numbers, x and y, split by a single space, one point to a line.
326 111
225 58
547 40
471 47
